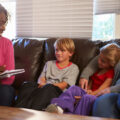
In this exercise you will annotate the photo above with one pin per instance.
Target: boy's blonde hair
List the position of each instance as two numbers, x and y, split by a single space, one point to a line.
65 43
112 53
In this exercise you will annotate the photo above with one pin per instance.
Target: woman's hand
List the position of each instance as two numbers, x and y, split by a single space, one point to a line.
2 68
83 83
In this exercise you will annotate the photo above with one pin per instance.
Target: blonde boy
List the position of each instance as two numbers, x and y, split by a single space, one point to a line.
60 72
56 76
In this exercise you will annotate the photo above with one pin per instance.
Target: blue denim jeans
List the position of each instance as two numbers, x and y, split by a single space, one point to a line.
6 95
107 105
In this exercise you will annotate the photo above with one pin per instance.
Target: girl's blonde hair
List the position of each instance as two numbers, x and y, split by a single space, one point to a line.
112 53
65 43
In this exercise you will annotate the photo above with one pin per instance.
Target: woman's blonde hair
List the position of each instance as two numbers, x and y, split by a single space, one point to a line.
112 53
65 43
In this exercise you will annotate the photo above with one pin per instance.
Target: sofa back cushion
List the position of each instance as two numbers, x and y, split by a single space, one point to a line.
28 56
32 54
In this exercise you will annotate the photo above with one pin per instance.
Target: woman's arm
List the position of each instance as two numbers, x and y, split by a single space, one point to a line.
9 62
115 88
91 68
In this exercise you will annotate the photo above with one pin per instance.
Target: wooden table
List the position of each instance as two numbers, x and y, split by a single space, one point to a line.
10 113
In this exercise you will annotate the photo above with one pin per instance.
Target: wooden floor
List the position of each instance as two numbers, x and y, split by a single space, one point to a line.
9 113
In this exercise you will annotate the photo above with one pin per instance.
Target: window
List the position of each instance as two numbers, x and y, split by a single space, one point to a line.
10 31
103 27
106 19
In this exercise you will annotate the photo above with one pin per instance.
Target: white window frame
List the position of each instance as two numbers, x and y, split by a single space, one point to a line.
117 26
108 7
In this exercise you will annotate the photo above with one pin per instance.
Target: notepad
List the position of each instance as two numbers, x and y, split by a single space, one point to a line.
9 73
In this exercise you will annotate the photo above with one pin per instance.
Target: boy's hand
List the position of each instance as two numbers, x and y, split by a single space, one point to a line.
61 85
83 83
2 68
77 98
41 84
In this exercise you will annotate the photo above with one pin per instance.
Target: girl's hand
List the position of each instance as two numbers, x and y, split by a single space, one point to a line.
89 91
105 91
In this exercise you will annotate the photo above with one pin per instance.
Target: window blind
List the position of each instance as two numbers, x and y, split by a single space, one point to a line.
2 1
107 6
54 18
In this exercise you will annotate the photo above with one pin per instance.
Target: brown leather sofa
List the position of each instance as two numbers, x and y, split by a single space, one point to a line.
32 53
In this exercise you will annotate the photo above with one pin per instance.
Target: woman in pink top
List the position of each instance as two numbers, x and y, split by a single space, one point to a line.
6 61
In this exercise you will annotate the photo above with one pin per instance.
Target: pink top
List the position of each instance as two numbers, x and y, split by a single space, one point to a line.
7 58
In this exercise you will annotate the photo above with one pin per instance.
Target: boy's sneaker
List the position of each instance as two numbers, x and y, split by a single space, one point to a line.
54 109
